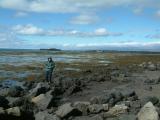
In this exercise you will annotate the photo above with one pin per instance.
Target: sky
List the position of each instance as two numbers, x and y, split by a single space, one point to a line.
80 24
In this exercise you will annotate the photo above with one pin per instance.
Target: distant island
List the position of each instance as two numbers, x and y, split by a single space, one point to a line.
50 49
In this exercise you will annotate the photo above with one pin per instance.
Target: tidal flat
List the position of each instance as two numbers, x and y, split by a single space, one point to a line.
100 85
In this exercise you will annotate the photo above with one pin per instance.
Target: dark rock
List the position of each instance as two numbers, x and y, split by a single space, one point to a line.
82 106
66 110
40 88
15 91
3 102
152 99
100 99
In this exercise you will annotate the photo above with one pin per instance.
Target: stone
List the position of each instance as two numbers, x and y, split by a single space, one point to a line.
82 106
148 112
66 110
116 110
105 107
100 99
43 101
41 88
95 108
15 91
45 116
15 111
152 99
2 111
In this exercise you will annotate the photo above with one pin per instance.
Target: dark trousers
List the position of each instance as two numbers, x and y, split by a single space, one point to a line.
48 76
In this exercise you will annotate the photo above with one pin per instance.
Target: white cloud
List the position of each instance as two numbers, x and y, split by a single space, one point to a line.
8 39
132 46
63 6
84 19
101 32
28 29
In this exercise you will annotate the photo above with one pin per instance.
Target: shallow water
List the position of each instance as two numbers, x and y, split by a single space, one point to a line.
11 83
18 58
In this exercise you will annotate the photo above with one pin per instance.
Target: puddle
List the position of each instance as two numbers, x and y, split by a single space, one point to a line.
72 69
11 83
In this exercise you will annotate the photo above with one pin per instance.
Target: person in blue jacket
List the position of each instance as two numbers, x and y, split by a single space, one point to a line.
49 67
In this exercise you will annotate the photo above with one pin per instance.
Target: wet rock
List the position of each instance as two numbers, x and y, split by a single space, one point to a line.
66 110
82 106
148 112
3 102
95 108
43 101
41 88
45 116
15 111
15 91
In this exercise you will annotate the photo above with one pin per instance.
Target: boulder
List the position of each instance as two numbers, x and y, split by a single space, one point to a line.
4 91
15 111
95 108
15 91
15 101
152 99
45 116
116 110
101 99
43 101
41 88
3 102
148 112
66 110
82 106
2 111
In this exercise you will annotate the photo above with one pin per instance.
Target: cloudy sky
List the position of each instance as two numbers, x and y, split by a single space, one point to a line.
80 24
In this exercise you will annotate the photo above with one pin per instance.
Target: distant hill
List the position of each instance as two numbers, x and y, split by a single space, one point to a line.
51 49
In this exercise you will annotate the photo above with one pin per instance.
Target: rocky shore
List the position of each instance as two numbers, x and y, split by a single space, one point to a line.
112 93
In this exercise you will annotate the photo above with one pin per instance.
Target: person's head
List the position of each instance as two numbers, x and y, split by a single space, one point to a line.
49 59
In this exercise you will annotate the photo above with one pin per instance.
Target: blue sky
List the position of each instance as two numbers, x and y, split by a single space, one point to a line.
80 24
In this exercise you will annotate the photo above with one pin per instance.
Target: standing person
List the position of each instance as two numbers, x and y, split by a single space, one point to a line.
49 67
